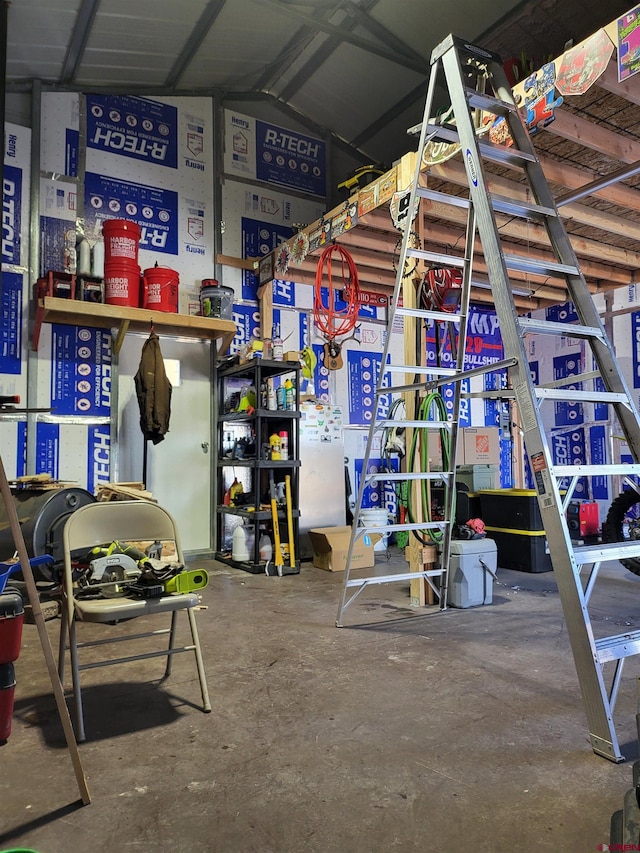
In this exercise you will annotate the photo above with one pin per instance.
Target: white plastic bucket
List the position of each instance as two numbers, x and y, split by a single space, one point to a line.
376 518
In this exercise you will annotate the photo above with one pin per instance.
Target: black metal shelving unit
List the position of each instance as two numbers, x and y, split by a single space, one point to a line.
242 442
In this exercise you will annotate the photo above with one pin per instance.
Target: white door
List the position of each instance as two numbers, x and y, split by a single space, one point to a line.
178 468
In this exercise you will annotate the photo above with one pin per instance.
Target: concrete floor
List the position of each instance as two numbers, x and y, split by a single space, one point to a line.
405 730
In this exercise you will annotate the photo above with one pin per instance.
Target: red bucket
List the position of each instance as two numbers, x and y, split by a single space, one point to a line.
121 238
160 289
7 690
122 285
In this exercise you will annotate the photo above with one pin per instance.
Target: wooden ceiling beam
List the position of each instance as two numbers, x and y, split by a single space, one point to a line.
454 172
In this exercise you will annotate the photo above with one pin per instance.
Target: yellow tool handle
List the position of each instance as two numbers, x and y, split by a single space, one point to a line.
292 547
277 557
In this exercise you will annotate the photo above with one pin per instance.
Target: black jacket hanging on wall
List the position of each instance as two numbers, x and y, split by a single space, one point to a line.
153 390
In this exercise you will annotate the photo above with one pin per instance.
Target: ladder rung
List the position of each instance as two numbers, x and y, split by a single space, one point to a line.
504 155
420 370
428 315
548 327
412 525
480 101
445 198
538 267
514 207
595 470
607 551
401 576
618 646
408 475
496 153
574 396
421 424
436 257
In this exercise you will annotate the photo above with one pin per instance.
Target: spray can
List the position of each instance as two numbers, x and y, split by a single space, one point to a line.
284 445
272 404
277 353
281 398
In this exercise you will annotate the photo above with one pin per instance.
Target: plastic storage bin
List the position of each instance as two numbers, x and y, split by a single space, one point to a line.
522 550
477 477
470 572
511 509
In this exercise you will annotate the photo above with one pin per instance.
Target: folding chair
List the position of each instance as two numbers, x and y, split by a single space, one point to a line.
99 524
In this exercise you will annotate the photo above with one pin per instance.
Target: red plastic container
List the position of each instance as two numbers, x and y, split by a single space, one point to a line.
160 289
7 691
121 238
11 621
122 285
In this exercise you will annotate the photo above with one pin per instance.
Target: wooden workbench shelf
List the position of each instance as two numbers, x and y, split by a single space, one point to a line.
74 312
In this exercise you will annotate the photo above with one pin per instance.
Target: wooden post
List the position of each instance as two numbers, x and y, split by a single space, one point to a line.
34 600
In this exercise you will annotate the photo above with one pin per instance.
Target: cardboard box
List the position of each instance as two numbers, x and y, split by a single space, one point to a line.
481 446
331 545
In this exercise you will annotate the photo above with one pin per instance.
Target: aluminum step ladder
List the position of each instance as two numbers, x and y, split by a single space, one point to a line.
412 381
477 88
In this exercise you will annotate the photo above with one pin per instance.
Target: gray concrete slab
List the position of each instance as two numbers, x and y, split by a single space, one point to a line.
406 729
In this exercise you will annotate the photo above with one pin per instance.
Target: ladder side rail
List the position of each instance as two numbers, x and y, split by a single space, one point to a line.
576 285
450 488
590 676
397 290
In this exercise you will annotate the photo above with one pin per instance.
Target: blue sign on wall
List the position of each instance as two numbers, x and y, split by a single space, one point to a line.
133 127
80 371
98 457
568 414
598 445
565 313
11 323
290 159
11 214
363 372
258 239
48 449
154 209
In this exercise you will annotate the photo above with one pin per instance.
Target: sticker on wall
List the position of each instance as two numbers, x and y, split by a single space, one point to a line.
11 323
581 66
540 100
80 371
133 127
153 208
628 37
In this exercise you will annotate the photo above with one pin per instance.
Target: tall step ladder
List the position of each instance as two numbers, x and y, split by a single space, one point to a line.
477 87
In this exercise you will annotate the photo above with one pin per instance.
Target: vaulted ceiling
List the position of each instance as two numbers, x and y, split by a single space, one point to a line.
353 68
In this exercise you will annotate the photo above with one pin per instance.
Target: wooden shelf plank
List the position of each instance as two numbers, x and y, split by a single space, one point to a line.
76 313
